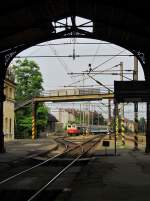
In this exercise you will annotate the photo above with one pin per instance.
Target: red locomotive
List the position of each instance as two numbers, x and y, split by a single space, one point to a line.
73 130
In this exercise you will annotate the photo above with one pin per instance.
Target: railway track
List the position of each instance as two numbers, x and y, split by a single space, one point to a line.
29 159
29 183
65 142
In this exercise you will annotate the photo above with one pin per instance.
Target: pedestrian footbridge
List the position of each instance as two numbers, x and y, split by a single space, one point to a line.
68 96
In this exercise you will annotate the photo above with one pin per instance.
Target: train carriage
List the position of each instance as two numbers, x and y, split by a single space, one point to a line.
73 129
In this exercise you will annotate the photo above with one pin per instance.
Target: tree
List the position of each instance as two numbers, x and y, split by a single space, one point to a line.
142 125
98 119
28 79
28 84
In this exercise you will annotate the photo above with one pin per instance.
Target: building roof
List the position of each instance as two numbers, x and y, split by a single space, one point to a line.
52 118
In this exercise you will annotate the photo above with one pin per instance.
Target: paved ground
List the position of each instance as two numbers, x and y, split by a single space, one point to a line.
125 177
18 149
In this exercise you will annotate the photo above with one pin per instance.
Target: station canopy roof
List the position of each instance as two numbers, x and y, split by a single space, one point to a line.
123 22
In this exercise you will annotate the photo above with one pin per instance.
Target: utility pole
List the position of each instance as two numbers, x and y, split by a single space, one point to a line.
93 114
109 111
116 114
122 108
88 127
135 77
83 115
98 118
80 115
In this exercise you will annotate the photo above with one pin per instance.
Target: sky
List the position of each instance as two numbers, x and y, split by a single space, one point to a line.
55 69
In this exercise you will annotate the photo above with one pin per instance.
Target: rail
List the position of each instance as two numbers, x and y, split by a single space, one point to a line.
131 138
63 170
44 162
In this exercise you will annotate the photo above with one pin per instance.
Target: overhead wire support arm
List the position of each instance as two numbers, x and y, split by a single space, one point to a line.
99 66
100 83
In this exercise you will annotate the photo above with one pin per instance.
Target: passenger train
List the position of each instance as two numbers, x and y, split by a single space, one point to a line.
74 129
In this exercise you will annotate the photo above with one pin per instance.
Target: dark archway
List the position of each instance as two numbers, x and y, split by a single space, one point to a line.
26 23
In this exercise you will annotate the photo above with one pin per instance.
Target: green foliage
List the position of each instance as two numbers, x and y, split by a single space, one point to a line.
94 118
28 79
29 84
142 125
42 117
98 118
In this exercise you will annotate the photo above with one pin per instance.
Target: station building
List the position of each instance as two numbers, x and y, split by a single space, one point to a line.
8 108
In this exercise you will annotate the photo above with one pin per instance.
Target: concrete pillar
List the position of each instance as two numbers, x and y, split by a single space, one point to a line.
2 98
136 126
116 121
147 149
122 109
135 77
3 69
109 111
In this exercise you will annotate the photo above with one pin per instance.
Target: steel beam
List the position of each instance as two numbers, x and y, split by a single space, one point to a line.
69 98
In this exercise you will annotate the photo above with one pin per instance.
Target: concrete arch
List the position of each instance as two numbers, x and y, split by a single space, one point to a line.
26 23
116 22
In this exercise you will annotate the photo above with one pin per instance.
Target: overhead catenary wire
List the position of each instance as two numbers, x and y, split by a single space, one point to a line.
99 73
102 73
100 83
101 109
108 60
58 58
77 56
30 54
93 75
61 61
98 67
78 43
97 50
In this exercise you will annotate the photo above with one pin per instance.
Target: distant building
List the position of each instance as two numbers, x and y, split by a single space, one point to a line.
51 123
8 117
129 124
64 116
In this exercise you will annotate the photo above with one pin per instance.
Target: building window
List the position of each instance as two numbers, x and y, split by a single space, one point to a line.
10 92
6 124
6 91
10 126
